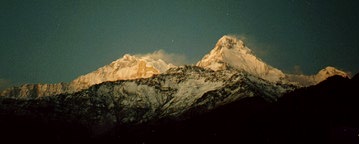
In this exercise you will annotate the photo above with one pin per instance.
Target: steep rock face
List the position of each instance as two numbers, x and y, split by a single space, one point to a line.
179 90
169 95
231 52
128 67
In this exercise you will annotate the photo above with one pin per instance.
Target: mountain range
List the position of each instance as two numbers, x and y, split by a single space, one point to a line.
229 53
138 93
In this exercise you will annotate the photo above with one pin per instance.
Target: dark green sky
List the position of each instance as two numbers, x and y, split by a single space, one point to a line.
51 41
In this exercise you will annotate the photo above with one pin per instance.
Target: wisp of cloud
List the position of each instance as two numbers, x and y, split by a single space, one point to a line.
176 59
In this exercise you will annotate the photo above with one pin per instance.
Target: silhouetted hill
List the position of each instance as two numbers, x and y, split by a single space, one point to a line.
356 77
324 113
247 120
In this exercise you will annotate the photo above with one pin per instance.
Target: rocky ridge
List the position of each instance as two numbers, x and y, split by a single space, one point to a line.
126 68
169 95
232 53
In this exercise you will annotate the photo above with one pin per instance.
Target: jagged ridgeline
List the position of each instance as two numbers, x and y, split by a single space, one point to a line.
136 90
229 53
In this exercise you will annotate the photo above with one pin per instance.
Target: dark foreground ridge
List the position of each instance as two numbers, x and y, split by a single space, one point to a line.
325 113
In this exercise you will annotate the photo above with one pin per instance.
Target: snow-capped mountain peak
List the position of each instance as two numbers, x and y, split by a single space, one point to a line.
230 52
127 67
328 72
308 80
231 42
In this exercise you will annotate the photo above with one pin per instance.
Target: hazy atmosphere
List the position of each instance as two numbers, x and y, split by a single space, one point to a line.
58 40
